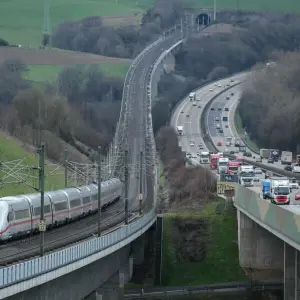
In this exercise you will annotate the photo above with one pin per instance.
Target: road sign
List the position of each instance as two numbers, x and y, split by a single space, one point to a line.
42 226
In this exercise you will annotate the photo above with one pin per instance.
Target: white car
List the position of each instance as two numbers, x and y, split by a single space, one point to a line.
294 184
211 90
258 171
192 144
296 168
219 85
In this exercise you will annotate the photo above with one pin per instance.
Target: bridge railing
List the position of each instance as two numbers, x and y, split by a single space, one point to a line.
38 266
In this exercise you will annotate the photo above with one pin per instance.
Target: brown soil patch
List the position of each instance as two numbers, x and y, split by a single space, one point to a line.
217 28
55 57
122 20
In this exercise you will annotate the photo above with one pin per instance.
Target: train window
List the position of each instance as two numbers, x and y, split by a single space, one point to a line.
9 217
60 206
47 209
37 211
75 202
95 197
86 199
22 214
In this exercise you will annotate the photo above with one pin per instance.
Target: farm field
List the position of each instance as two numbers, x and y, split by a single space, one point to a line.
290 6
21 22
13 155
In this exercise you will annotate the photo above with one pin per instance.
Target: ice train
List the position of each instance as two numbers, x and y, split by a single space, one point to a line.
20 215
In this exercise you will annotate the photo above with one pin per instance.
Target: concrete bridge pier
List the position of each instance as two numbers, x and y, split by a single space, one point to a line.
113 289
138 250
261 254
291 273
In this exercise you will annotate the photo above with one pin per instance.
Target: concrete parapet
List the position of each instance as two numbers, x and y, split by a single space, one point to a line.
260 252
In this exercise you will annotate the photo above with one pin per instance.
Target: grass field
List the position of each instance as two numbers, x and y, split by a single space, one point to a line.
21 22
221 260
291 6
14 156
43 73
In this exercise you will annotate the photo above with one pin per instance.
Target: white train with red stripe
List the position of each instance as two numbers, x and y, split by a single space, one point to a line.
20 215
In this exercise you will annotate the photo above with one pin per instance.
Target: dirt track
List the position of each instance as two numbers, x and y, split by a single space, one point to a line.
55 57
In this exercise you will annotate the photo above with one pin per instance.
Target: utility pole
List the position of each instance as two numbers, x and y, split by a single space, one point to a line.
46 26
99 191
42 226
66 167
141 184
126 186
215 9
181 29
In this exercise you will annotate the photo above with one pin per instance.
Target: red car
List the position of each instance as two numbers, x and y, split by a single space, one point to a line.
297 197
219 143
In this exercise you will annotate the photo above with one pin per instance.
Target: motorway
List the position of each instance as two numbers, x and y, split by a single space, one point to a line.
189 116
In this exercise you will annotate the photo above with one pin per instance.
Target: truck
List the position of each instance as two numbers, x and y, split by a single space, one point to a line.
246 175
223 165
298 159
286 157
204 157
275 154
233 167
180 130
192 96
264 153
213 161
277 190
228 141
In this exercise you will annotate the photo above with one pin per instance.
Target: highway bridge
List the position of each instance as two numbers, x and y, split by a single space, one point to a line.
268 234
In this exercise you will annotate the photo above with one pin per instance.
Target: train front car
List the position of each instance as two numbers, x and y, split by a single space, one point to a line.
6 218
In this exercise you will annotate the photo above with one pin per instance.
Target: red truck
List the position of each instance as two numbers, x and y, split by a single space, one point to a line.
213 161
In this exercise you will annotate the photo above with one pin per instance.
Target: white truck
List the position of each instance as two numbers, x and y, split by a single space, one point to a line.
280 192
228 141
264 153
180 130
246 175
192 96
286 158
204 157
223 164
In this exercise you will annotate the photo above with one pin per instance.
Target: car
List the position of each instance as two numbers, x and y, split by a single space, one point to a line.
220 108
294 184
268 174
258 171
226 126
228 84
199 106
288 168
296 168
270 160
232 152
187 115
194 104
232 94
194 156
198 154
228 144
212 108
227 98
211 90
182 112
247 154
217 119
219 85
219 144
221 130
297 197
192 143
226 109
201 147
258 159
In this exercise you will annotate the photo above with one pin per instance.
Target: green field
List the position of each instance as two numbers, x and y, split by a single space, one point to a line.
21 22
43 73
13 156
221 260
292 6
